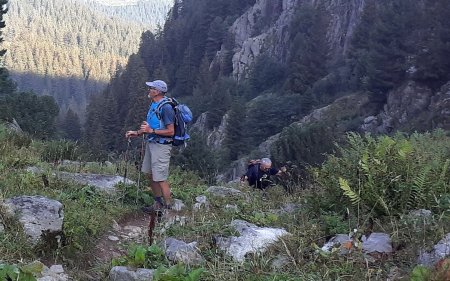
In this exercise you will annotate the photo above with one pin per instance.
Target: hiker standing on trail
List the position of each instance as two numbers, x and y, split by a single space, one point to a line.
259 172
160 128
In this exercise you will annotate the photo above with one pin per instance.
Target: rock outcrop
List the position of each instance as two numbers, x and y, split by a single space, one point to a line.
412 107
214 137
122 273
42 218
440 250
181 252
105 183
252 239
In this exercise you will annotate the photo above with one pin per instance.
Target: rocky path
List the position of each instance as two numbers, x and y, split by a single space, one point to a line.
133 228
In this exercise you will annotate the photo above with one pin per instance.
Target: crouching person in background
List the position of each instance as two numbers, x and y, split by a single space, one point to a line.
259 172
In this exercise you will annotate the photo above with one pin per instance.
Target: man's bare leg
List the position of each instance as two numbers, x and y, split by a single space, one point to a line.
164 188
156 190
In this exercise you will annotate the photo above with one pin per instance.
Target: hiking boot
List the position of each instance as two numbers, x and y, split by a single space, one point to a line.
156 207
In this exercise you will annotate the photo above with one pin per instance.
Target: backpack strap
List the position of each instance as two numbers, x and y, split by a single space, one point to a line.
170 101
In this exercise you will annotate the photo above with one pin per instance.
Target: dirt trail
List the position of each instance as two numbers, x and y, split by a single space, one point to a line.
132 228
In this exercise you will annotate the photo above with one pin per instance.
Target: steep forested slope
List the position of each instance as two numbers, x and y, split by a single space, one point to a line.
148 12
70 49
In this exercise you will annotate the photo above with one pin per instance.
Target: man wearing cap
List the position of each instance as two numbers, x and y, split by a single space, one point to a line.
160 128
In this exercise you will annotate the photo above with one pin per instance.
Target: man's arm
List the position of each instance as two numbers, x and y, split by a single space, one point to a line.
168 119
276 172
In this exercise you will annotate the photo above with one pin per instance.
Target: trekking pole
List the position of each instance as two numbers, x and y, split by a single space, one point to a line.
151 226
126 169
126 160
140 168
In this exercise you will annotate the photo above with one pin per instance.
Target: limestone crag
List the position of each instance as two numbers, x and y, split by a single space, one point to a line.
251 42
252 39
412 106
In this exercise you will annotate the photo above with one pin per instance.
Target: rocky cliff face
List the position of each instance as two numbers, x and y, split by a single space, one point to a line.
412 107
253 39
215 137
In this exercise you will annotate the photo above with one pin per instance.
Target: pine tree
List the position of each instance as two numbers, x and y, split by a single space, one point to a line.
71 126
309 48
151 52
6 85
235 132
433 60
380 56
137 95
35 114
3 11
266 73
186 74
215 37
222 90
203 90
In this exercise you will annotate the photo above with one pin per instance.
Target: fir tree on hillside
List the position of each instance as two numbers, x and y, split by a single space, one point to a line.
6 85
71 126
309 48
381 46
433 59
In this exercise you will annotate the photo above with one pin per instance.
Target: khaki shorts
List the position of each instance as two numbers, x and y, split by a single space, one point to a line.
156 160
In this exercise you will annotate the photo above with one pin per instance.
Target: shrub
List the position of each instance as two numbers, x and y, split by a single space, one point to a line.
388 175
54 151
16 139
141 256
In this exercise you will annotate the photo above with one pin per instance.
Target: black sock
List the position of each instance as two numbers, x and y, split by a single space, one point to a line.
159 199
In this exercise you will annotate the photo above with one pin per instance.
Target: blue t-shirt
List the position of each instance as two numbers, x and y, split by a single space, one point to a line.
258 178
167 115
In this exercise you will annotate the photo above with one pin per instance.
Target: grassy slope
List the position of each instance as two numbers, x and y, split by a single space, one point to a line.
88 214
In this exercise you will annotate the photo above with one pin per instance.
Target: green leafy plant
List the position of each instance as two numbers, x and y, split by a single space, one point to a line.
387 175
343 183
334 224
177 273
141 257
19 273
131 194
54 151
261 218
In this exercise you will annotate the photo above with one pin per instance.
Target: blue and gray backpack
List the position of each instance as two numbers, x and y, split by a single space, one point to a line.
183 116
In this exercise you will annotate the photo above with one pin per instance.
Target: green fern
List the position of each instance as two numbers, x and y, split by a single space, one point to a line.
405 148
444 170
364 163
417 195
384 145
354 198
383 204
